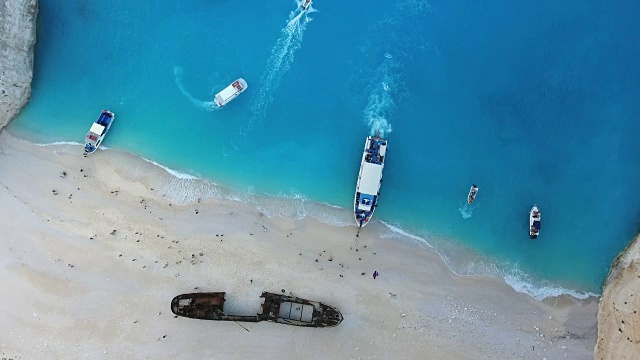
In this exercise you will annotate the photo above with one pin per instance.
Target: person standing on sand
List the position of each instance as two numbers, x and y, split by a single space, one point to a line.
375 275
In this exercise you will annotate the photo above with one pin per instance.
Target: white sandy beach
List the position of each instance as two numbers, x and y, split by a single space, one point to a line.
74 288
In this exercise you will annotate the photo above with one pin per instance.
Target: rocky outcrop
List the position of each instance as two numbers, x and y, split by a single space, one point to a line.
619 309
17 40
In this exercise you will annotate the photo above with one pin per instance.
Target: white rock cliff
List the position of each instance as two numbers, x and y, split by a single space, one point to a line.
17 41
619 310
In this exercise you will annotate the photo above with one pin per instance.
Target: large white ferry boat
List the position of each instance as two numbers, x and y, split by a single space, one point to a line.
230 92
98 131
369 179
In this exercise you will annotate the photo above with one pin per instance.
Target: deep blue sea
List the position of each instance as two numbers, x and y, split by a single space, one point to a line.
534 101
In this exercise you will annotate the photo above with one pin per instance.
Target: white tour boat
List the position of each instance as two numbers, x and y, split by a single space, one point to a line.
230 92
369 179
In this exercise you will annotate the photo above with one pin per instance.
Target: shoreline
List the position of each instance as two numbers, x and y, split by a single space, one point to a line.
416 308
186 188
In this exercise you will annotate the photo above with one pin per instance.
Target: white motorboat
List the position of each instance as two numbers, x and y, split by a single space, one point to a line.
534 222
306 4
369 179
472 194
230 92
98 131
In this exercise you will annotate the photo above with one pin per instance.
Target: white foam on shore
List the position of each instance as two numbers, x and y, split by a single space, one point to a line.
186 188
520 283
75 143
175 173
513 277
402 232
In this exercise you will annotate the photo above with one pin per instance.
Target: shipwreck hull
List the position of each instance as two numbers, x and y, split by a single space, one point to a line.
276 308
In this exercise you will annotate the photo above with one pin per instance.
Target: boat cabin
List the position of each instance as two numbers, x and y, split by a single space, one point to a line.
230 92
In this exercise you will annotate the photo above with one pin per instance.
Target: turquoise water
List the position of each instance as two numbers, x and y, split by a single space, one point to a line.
536 102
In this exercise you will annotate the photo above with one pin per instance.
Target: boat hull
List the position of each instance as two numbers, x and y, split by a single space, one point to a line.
281 309
473 192
93 140
230 92
534 222
369 180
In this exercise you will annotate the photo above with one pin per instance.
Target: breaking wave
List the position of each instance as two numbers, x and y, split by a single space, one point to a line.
175 173
509 273
60 143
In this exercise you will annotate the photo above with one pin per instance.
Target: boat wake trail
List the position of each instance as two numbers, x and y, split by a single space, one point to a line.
205 105
282 56
279 62
380 103
400 34
466 210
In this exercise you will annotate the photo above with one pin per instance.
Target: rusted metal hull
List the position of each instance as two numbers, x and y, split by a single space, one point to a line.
289 310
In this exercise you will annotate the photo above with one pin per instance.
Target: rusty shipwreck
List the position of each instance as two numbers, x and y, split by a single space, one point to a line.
282 309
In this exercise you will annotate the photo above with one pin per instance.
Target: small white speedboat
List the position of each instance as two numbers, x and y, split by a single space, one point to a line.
472 194
230 92
534 222
306 4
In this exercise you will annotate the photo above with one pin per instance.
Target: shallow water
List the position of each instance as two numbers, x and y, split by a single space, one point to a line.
534 102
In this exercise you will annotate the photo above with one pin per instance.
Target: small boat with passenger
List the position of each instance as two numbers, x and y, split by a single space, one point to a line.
369 179
472 194
282 309
534 222
306 4
98 131
230 92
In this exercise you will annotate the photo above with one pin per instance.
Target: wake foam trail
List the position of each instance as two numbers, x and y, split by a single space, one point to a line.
205 105
282 56
466 210
400 34
380 103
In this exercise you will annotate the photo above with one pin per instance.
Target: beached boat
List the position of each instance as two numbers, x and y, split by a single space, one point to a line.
282 309
306 4
98 131
534 222
230 92
369 179
472 194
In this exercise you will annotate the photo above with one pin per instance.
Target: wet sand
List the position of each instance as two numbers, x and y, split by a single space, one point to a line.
94 249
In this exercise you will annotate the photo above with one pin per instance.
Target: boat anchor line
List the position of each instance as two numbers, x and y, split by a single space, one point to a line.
223 314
